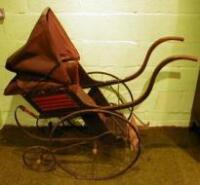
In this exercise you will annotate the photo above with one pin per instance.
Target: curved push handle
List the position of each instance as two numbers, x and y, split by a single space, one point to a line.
149 52
24 109
152 81
158 69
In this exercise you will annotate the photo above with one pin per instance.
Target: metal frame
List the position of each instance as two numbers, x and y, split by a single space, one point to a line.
84 108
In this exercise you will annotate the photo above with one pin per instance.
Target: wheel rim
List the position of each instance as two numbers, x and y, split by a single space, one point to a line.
39 158
113 157
115 91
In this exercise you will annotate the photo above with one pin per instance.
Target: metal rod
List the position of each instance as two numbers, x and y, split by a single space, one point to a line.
143 66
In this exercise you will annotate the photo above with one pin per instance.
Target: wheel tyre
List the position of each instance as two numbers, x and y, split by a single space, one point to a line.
39 158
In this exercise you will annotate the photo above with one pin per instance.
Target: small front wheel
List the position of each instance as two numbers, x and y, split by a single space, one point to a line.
39 158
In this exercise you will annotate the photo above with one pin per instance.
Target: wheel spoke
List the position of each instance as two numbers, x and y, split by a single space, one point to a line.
103 157
41 158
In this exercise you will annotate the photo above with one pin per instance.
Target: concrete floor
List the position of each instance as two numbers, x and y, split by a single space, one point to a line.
170 156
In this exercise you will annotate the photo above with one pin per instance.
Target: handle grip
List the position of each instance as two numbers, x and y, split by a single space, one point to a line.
24 109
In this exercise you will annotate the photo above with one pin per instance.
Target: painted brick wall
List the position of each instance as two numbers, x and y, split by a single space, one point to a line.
112 36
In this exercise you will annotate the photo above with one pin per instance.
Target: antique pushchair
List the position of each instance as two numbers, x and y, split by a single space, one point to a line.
81 130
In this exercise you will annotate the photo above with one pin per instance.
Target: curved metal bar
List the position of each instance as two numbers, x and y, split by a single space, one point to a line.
82 112
150 85
156 72
123 83
120 172
31 135
71 139
144 64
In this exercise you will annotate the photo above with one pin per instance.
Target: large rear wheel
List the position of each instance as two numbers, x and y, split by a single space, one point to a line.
108 149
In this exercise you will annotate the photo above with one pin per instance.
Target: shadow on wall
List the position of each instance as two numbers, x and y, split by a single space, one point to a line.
162 76
1 20
194 33
187 25
1 120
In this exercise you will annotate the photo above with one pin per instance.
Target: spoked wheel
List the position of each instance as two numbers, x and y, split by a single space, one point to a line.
115 94
102 155
39 158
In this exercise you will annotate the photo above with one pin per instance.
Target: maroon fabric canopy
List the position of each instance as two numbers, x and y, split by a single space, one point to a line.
46 53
